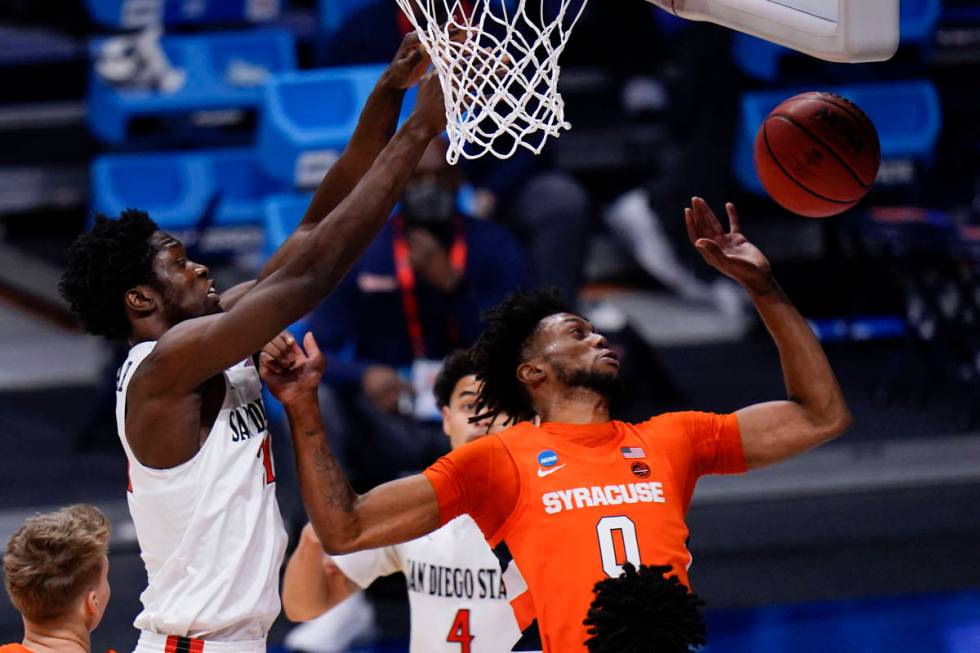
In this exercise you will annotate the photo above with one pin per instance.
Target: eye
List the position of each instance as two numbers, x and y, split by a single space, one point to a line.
181 261
576 331
469 407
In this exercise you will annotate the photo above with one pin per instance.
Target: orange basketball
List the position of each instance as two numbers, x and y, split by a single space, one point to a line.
817 154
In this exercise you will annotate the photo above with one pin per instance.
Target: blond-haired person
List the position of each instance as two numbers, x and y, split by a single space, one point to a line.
56 573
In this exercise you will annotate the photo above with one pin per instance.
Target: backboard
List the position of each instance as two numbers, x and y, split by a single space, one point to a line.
850 31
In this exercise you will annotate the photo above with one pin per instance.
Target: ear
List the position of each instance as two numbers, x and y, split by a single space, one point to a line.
445 421
91 607
529 373
141 299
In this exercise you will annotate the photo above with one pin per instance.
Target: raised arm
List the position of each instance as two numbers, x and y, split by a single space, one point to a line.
814 411
343 520
197 349
312 583
374 129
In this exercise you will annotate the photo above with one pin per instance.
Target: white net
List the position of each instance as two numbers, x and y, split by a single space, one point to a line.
498 65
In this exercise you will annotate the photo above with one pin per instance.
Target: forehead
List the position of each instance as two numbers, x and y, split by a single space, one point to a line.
163 244
560 321
466 384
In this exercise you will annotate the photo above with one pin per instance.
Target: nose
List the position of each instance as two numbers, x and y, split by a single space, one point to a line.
202 270
599 341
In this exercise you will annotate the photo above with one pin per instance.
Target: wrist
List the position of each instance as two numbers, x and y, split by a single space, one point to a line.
420 127
301 402
389 83
763 289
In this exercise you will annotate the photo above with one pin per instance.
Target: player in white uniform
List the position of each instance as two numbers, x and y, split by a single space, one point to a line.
456 591
190 417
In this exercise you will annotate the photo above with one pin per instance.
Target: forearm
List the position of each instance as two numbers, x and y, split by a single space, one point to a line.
329 250
327 494
809 379
815 410
374 129
307 589
343 520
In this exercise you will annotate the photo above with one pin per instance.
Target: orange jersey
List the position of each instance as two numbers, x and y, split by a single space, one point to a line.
572 503
14 648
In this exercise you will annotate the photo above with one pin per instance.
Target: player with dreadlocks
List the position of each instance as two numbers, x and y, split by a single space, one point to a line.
570 497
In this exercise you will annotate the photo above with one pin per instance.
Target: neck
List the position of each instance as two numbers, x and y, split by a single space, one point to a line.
574 406
151 328
60 638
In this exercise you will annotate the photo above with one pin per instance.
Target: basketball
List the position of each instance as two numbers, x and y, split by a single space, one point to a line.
817 154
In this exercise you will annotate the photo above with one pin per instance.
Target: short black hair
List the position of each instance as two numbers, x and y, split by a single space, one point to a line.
115 256
457 365
502 347
644 611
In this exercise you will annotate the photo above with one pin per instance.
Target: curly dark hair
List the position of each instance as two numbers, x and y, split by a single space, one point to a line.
457 365
115 256
503 346
643 611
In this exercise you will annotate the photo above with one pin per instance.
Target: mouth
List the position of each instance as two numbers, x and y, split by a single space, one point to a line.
212 290
610 356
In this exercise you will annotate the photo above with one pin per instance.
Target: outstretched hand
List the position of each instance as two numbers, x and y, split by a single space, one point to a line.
291 371
728 252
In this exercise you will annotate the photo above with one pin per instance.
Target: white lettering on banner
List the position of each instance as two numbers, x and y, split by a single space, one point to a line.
141 13
312 165
606 495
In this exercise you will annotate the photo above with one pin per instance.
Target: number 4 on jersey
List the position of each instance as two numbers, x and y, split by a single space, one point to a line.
459 633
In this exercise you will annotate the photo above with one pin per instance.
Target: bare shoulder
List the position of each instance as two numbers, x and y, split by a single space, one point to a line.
161 371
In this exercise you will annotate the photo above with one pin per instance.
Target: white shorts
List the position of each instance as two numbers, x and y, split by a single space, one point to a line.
157 643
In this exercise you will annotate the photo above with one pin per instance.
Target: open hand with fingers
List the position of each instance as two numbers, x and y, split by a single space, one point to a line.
291 372
729 252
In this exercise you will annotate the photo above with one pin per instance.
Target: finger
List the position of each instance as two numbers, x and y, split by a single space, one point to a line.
311 347
280 344
457 34
689 223
734 224
273 348
268 364
705 219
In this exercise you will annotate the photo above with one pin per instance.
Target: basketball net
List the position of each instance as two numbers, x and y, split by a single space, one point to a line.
499 73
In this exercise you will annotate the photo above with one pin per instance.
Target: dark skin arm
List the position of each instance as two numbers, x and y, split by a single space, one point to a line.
814 411
166 429
343 520
374 129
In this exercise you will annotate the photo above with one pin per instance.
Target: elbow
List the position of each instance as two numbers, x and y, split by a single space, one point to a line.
340 542
340 546
835 422
298 613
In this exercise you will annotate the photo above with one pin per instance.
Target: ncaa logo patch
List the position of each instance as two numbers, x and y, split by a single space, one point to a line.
547 458
640 469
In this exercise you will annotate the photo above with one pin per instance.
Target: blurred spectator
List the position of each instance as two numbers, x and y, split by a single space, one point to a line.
56 573
415 295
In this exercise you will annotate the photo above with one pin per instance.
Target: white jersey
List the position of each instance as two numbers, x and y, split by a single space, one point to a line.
455 589
210 533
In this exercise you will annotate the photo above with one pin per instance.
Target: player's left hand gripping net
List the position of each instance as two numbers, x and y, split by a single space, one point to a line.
498 65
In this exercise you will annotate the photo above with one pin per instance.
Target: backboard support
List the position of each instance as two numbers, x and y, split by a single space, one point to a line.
849 31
